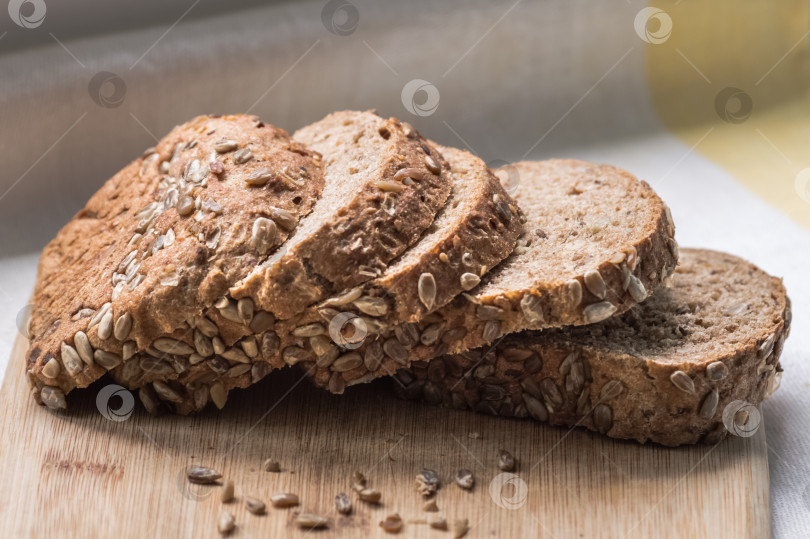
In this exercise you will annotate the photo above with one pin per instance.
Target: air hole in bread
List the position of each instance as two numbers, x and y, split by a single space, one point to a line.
384 133
296 201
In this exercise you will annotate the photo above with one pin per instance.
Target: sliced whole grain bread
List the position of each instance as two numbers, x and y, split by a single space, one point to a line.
384 186
476 229
596 241
160 242
686 366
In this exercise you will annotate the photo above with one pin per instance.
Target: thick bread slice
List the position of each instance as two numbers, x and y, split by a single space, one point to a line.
596 241
161 241
384 186
683 367
476 229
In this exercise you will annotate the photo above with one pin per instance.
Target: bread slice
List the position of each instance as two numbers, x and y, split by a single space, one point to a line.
384 186
596 241
160 242
476 229
686 366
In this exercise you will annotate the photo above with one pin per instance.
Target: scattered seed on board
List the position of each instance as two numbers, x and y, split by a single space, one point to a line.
392 523
465 479
430 506
202 475
343 504
506 462
460 528
284 499
254 505
271 465
427 482
227 492
309 521
225 523
370 495
440 523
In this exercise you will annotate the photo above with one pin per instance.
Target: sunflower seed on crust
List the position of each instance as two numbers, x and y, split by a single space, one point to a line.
108 360
682 381
427 290
596 312
122 327
83 347
595 283
469 281
53 398
709 406
70 357
716 371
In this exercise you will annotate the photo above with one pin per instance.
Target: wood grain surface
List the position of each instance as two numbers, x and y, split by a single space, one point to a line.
79 474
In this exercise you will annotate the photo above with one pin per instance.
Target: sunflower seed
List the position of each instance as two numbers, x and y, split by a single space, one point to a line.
249 346
83 347
227 492
427 290
225 523
371 306
392 523
432 165
172 346
245 309
603 418
108 360
572 293
262 321
259 177
219 395
682 381
122 327
595 284
51 368
611 390
202 344
309 330
465 479
764 350
636 289
596 312
53 398
460 528
242 156
431 334
283 218
343 504
185 206
347 362
238 370
439 523
270 344
166 393
235 354
492 330
370 495
716 371
202 475
254 505
389 187
225 145
208 328
70 357
263 235
105 327
506 462
532 310
284 499
309 521
271 465
535 408
427 482
709 406
469 280
219 346
395 351
673 248
551 394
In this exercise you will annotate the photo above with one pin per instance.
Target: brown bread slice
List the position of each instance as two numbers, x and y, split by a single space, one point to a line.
676 369
596 241
176 228
384 186
476 229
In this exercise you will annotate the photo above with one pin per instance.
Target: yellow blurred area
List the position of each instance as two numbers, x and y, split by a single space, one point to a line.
732 79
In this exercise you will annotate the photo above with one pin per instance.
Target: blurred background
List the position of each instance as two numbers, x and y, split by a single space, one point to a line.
707 101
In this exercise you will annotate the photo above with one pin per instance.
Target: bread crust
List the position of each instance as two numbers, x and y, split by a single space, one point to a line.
584 378
166 236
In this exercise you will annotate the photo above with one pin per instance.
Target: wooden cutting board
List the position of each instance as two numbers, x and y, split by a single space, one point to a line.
79 474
